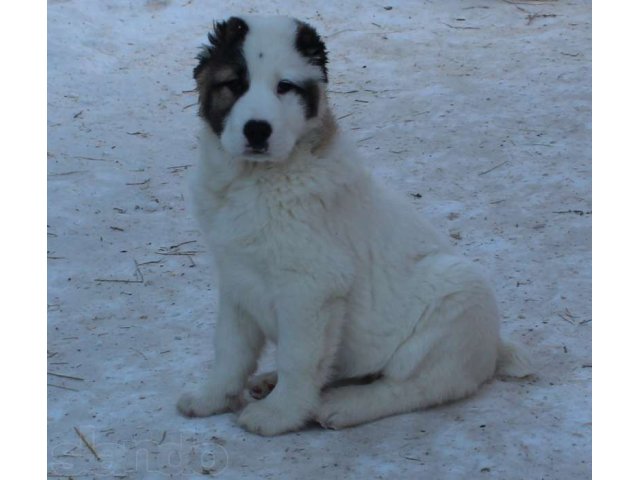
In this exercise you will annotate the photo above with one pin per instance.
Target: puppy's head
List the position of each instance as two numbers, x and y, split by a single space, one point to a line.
261 85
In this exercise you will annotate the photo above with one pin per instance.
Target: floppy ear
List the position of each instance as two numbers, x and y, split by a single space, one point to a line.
226 34
311 46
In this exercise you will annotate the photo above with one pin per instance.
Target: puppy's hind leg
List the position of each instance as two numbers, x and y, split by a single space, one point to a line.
431 367
355 404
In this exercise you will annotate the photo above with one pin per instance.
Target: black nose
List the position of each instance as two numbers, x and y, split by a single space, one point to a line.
257 133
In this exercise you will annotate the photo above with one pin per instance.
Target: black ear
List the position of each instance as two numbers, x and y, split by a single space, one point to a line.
311 46
226 34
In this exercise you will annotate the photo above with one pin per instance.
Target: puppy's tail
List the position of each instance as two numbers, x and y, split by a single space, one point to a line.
513 361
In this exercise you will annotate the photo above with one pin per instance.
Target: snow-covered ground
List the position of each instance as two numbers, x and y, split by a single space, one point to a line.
479 111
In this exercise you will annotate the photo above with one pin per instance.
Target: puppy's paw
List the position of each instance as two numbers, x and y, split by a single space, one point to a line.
268 418
333 412
260 386
331 419
206 404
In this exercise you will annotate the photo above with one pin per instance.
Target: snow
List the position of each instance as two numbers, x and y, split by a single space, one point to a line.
481 107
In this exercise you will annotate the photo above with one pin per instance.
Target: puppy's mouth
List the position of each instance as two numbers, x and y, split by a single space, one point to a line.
256 150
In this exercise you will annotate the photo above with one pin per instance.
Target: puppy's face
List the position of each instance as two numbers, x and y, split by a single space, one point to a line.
261 85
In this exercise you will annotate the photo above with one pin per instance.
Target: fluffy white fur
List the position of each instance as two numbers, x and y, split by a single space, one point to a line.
316 256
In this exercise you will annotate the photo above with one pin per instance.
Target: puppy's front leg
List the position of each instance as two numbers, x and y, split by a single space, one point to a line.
307 340
238 343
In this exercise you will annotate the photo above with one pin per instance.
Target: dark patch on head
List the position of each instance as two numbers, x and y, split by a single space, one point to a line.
221 74
311 46
310 94
308 91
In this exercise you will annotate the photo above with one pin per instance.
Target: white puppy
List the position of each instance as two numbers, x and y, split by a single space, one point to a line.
315 255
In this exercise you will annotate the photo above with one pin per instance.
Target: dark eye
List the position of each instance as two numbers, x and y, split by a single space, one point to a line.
285 86
236 85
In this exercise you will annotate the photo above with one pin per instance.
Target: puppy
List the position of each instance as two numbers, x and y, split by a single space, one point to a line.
316 256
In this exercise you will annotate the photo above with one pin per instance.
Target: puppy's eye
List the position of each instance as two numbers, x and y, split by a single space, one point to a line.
285 86
236 85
